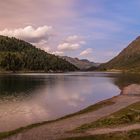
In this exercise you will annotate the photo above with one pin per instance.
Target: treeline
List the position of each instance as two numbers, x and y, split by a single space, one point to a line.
18 55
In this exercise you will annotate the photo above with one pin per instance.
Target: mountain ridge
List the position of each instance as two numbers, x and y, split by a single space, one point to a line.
82 64
128 59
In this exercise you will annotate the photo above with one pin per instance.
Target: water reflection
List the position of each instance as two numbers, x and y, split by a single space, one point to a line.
16 85
30 98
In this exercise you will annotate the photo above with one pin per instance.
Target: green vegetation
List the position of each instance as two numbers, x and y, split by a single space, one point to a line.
130 135
128 115
18 55
127 60
88 109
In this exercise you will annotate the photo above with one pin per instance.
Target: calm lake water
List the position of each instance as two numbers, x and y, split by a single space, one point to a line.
32 98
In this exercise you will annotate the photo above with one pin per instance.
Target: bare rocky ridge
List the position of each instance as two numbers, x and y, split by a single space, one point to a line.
82 64
133 89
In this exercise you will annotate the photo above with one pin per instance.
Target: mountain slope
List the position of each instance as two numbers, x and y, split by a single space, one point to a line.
128 59
93 68
82 64
18 55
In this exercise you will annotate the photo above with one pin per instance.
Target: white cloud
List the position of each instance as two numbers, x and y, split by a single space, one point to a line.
43 44
46 49
37 36
68 46
72 38
86 52
58 53
71 43
75 39
29 33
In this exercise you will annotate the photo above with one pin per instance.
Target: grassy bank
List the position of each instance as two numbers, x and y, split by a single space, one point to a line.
128 115
130 135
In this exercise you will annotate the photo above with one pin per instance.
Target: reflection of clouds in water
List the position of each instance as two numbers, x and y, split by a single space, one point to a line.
65 96
35 111
61 95
72 99
69 93
16 114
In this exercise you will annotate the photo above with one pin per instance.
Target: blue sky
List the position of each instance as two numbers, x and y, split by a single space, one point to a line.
110 25
93 29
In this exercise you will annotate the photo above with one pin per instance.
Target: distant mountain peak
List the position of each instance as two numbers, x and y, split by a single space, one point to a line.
76 58
82 64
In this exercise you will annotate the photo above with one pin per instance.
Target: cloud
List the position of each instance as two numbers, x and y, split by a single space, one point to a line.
58 53
75 39
43 44
68 47
71 43
99 22
86 52
29 33
72 38
37 36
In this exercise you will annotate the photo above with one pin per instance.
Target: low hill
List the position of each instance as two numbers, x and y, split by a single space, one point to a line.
128 59
18 55
82 64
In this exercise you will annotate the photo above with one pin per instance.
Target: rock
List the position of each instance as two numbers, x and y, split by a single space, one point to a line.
133 89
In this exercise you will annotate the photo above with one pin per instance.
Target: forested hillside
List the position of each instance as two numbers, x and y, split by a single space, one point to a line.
18 55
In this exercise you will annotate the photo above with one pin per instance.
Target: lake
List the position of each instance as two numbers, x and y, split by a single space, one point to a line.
32 98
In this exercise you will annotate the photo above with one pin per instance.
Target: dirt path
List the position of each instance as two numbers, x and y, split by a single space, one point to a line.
113 130
57 130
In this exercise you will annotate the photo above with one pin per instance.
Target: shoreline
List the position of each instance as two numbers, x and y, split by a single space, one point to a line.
65 72
90 108
28 72
85 112
51 72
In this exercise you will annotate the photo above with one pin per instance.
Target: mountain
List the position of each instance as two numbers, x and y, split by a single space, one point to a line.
18 55
82 64
128 59
93 68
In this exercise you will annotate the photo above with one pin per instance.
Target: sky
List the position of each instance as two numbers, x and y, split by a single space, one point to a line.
88 29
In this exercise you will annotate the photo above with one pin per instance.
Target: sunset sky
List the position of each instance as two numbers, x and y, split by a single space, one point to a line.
92 29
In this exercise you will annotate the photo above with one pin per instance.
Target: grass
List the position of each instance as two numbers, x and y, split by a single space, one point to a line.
128 115
86 110
130 135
